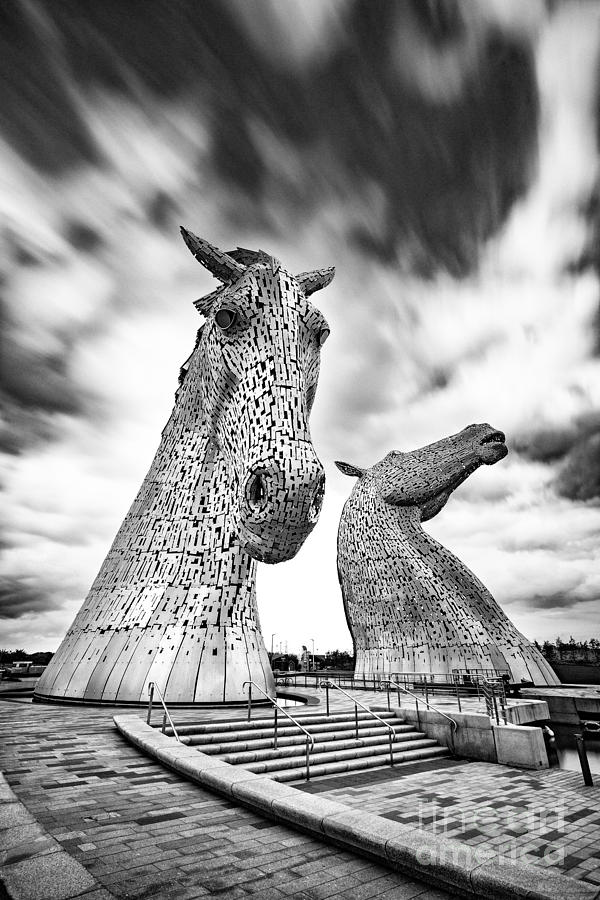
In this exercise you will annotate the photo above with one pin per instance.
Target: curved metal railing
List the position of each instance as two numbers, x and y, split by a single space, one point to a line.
493 689
391 732
152 687
277 708
400 687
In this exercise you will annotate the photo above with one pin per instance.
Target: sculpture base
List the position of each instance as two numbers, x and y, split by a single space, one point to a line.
139 704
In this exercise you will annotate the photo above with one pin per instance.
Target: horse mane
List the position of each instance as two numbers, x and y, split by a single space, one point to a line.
183 370
250 257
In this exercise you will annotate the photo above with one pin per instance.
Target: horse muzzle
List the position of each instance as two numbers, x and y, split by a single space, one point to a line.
279 505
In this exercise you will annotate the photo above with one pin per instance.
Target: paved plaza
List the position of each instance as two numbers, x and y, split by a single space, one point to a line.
547 818
143 831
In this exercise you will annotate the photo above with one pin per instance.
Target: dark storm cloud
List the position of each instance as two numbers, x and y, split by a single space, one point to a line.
38 113
17 598
39 381
34 385
545 444
560 600
589 258
82 236
450 170
22 428
449 167
579 478
577 446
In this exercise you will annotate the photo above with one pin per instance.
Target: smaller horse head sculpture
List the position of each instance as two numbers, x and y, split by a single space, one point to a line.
254 373
425 478
411 605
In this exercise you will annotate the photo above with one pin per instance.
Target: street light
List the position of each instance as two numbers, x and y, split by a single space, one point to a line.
272 636
313 652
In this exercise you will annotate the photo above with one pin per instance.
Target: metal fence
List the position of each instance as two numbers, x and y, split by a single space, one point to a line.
488 684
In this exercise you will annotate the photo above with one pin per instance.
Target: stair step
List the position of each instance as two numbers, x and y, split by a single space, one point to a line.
360 753
336 748
244 734
255 750
354 765
305 719
248 741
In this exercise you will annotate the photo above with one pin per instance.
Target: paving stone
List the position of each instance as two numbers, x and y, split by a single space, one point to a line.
53 877
502 882
458 801
103 812
13 814
26 846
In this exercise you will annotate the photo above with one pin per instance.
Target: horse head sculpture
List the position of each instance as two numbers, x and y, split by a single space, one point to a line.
235 480
411 605
422 480
256 367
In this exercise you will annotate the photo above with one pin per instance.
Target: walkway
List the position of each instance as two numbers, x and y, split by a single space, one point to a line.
145 832
547 818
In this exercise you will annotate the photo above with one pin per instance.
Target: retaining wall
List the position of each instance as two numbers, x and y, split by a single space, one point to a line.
477 738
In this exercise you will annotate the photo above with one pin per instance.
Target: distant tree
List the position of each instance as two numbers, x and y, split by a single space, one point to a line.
285 661
548 650
9 656
571 651
338 659
40 658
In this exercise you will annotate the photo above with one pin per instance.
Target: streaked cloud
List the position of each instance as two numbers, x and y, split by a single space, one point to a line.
442 156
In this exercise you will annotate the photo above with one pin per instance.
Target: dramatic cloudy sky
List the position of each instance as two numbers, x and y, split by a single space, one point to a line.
443 157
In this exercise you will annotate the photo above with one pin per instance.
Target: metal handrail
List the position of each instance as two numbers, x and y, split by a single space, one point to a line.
391 732
493 688
429 682
400 687
277 709
152 686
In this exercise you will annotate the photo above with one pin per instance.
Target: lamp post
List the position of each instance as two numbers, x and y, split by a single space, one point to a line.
313 653
272 636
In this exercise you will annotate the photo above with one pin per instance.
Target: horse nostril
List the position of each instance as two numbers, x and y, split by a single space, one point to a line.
257 491
317 501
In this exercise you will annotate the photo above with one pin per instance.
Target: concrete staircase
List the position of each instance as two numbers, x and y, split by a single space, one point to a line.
336 748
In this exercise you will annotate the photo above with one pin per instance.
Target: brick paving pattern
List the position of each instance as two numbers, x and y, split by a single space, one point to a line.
143 831
547 818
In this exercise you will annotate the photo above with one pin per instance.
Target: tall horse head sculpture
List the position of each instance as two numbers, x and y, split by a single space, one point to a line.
257 366
411 605
235 480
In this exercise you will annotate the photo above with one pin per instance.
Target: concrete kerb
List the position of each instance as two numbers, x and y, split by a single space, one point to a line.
33 865
443 862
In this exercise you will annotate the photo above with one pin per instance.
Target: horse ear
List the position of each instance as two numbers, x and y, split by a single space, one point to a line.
219 264
313 281
349 469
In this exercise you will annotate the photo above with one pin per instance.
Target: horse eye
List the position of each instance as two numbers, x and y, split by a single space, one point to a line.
225 318
322 336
